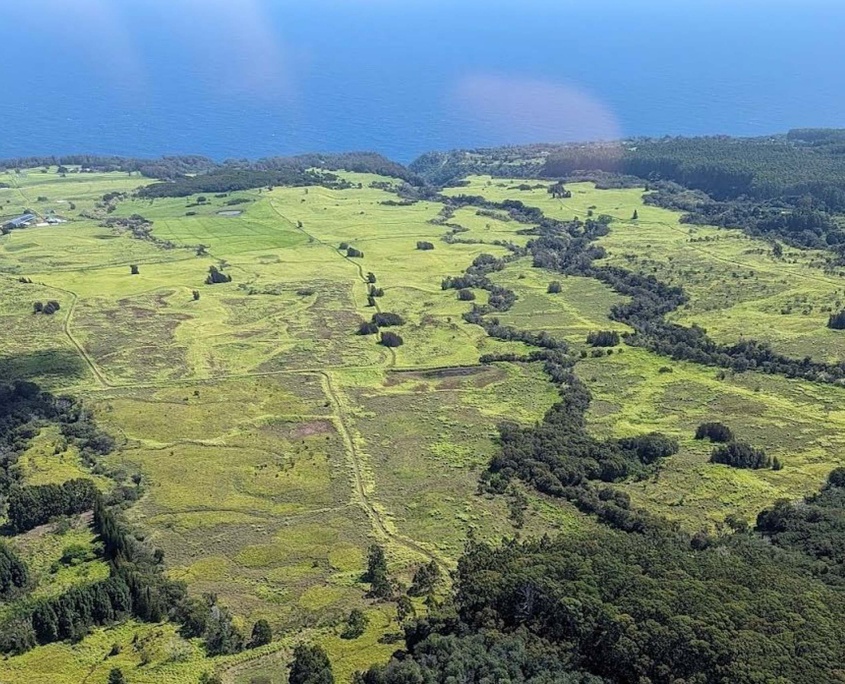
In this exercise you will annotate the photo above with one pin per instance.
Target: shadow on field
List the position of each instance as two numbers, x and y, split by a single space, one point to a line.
50 364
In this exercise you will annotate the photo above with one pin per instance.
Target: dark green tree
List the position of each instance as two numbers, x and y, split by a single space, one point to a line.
310 666
116 676
356 624
261 634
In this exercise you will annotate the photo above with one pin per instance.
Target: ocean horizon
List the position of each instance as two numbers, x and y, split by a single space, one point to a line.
258 78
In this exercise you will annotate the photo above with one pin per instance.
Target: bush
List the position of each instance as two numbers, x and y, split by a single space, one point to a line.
425 246
715 432
741 455
466 295
368 328
352 252
554 287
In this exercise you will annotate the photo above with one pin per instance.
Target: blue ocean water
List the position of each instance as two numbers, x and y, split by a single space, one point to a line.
251 78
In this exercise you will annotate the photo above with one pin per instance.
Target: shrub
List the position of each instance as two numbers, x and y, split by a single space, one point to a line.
466 295
425 246
352 252
741 455
715 432
554 287
367 328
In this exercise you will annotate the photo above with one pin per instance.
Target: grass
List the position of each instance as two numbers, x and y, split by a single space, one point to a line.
274 444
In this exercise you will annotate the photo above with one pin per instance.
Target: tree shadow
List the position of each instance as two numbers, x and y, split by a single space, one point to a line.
48 366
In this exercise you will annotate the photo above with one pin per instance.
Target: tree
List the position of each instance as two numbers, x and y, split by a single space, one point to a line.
554 287
195 294
310 666
221 635
367 328
425 579
51 307
404 609
371 277
116 676
425 246
261 634
635 215
837 321
391 339
466 295
215 276
37 307
133 269
376 575
354 253
356 624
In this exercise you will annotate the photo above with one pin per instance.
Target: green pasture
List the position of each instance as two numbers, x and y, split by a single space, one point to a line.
274 444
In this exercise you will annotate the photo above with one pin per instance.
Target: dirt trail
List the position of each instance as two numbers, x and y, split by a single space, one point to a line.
364 498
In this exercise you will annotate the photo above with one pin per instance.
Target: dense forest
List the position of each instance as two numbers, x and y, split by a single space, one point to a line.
660 607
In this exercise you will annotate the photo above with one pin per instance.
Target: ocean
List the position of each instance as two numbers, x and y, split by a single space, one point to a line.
253 78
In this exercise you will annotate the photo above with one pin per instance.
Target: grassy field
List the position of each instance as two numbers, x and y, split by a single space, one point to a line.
274 444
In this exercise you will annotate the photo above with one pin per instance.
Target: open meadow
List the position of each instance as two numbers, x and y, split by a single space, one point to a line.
272 444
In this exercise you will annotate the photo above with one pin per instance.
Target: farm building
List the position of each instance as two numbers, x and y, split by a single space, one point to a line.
19 222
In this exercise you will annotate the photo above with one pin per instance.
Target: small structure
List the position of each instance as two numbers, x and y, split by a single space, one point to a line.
19 222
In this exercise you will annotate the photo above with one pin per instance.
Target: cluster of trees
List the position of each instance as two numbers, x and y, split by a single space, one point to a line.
49 308
814 527
743 455
24 409
721 166
163 167
14 576
226 179
34 505
385 319
136 587
215 275
379 320
603 338
715 432
476 276
202 617
568 247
